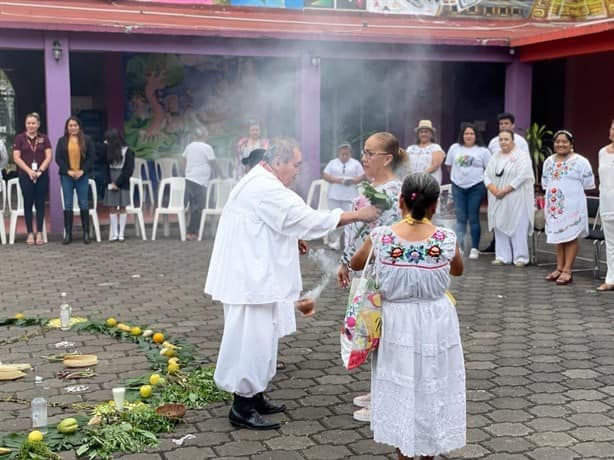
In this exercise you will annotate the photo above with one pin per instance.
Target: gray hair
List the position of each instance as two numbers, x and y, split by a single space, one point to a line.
282 148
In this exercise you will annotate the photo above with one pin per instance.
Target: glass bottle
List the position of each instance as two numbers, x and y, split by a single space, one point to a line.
39 406
65 313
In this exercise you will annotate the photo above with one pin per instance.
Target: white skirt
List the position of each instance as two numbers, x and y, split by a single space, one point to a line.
247 361
418 379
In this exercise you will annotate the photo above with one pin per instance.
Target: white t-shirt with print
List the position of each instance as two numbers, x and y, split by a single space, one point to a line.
468 164
197 157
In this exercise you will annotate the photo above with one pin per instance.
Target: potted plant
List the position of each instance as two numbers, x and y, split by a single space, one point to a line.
536 135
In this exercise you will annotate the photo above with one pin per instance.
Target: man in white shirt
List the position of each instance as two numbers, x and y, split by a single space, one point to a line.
506 120
200 162
255 272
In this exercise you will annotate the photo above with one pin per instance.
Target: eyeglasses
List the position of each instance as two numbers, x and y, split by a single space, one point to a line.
369 154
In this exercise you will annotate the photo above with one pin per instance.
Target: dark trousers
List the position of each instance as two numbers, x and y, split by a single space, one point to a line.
34 194
467 203
196 195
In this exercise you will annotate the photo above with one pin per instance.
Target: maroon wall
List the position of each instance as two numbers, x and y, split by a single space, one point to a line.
589 94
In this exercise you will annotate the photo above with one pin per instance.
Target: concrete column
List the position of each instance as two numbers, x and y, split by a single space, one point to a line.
308 122
57 91
518 86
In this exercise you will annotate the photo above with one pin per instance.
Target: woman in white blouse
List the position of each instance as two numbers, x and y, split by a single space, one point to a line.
509 181
425 155
606 206
343 174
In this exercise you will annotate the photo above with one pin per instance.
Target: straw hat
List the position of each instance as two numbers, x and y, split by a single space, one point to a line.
425 124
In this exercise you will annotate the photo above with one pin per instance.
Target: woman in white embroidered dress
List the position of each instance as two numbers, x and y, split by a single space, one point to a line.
381 156
509 181
418 376
606 206
565 176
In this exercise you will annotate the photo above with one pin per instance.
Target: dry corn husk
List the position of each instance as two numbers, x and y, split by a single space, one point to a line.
15 367
11 375
80 360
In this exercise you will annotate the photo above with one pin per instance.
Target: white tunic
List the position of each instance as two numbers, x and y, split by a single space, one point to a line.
565 210
349 170
418 379
255 272
421 158
515 169
606 184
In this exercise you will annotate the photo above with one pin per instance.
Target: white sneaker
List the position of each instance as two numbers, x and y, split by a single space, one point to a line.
497 262
363 400
474 254
363 415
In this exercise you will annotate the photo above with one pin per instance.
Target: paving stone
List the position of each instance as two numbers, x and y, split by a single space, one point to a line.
278 455
326 452
546 424
552 439
508 429
506 444
553 453
289 443
594 449
469 451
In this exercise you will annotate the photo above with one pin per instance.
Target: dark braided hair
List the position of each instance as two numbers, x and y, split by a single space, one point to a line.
420 191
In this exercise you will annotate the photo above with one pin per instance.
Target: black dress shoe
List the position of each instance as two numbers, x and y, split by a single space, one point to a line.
265 407
243 414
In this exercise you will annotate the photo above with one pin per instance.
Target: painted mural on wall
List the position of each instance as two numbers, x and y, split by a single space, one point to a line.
535 9
169 97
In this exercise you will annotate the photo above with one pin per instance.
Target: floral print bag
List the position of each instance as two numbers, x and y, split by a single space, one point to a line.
362 325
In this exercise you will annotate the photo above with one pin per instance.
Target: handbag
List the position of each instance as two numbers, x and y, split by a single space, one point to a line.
362 325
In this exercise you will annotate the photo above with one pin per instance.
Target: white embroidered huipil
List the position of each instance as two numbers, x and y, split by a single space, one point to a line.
255 272
565 210
515 169
606 207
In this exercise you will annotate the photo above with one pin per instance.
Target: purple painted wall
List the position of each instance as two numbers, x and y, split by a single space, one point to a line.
518 86
57 89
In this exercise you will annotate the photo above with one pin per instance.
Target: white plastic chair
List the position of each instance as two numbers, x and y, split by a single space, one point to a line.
92 212
137 211
226 166
218 191
175 204
2 207
141 171
14 188
165 167
322 186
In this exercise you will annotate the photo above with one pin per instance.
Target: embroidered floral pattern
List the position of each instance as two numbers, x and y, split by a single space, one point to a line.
429 251
555 202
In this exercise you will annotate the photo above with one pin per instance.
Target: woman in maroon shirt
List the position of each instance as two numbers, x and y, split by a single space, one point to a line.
32 155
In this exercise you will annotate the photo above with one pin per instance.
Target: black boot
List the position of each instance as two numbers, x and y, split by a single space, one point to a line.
244 415
85 223
67 227
265 407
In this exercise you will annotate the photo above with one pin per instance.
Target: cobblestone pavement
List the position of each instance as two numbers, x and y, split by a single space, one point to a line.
539 357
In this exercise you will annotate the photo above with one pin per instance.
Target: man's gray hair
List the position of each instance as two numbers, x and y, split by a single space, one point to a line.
282 148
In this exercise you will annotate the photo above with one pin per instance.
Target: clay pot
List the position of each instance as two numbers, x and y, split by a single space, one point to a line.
306 306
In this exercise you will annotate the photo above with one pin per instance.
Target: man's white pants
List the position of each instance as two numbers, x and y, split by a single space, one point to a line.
247 361
514 248
334 236
608 232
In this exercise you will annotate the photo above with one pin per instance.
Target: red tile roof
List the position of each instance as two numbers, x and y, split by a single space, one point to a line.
225 21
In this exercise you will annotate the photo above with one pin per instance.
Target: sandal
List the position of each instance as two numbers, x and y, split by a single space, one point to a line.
39 239
564 278
30 239
554 275
606 287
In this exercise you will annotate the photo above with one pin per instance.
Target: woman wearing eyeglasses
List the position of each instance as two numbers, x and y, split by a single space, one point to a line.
509 181
381 156
565 177
343 174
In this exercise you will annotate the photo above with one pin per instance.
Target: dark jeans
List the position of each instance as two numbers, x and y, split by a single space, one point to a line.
34 194
81 185
195 194
467 203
